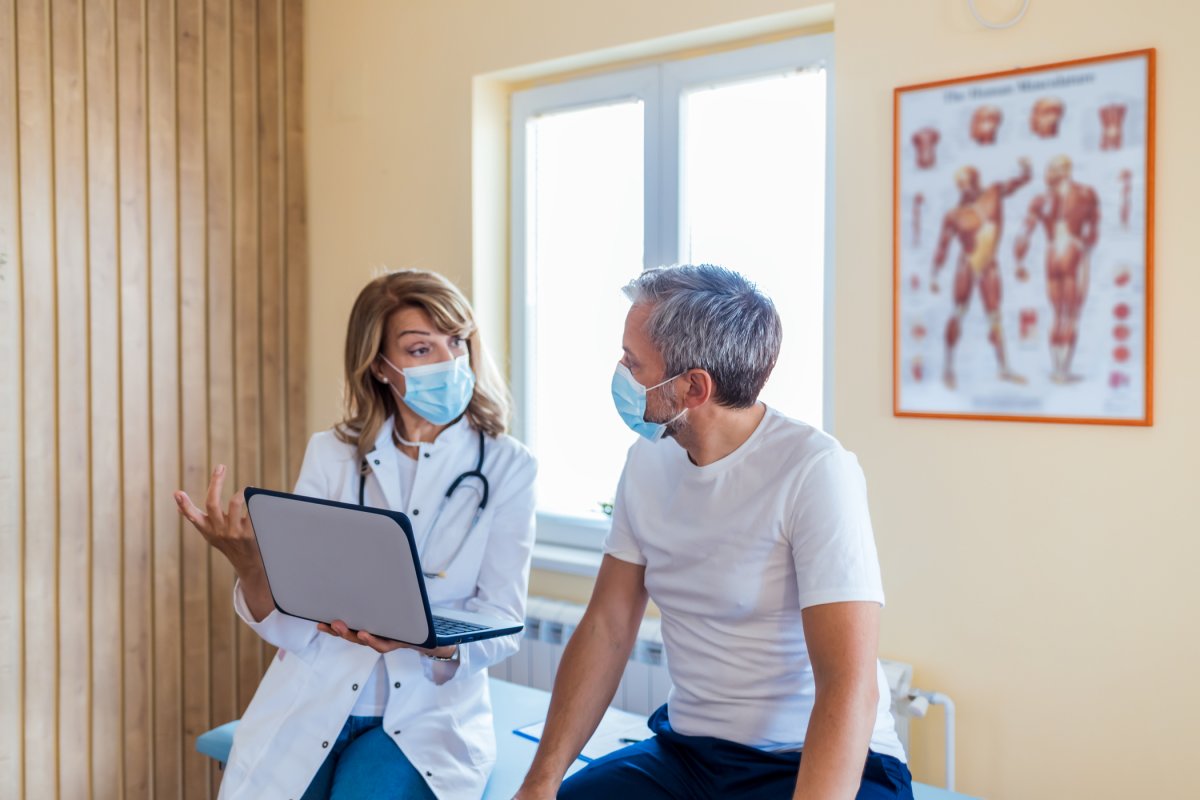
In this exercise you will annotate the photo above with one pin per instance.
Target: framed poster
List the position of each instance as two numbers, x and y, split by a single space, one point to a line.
1023 244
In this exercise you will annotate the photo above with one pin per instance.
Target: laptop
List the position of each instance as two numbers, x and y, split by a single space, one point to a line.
326 560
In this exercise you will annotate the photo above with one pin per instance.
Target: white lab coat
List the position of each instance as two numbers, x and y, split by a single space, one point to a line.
439 714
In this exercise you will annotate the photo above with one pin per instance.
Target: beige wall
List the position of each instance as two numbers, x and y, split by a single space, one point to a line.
1042 574
1038 573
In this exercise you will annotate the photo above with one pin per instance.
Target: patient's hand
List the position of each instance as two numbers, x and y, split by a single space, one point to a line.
378 644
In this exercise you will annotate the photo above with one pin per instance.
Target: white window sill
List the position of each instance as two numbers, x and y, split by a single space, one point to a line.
567 560
569 544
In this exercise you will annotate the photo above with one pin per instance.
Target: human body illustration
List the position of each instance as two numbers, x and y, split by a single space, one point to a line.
985 123
1112 120
925 142
1126 178
977 223
917 203
1045 117
1069 213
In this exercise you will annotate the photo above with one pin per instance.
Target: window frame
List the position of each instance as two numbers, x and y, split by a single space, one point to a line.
660 86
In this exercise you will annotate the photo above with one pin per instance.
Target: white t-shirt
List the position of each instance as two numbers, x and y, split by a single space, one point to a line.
733 551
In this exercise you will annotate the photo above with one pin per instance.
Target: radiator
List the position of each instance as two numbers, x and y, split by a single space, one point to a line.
644 683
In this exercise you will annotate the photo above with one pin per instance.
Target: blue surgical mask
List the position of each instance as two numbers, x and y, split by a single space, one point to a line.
629 396
438 392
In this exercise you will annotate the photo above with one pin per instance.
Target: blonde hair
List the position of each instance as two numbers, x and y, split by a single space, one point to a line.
368 403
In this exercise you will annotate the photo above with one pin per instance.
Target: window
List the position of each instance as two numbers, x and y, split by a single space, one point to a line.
720 159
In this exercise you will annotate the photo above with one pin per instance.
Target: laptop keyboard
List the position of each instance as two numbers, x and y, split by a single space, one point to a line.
443 626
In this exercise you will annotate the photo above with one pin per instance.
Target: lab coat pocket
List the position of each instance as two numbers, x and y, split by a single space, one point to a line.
480 739
470 720
279 692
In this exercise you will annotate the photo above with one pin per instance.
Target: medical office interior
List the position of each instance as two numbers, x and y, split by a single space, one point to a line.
195 190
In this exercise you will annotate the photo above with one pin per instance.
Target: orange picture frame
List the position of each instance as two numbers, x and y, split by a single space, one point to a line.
1023 244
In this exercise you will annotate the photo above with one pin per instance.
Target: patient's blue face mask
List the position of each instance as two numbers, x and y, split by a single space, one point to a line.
438 392
629 396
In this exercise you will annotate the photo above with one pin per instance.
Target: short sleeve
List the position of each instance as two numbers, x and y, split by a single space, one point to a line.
833 544
621 541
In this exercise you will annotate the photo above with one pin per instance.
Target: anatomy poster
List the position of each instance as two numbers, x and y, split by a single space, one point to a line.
1023 224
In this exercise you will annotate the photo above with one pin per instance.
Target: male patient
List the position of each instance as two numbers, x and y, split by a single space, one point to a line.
751 533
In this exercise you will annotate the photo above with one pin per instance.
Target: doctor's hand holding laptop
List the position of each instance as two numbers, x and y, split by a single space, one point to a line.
353 570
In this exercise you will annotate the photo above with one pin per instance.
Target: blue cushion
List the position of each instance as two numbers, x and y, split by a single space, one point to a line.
216 743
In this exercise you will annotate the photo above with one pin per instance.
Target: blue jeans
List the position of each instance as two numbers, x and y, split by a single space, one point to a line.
671 765
364 762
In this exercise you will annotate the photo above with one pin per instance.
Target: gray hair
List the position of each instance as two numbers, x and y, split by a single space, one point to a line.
711 318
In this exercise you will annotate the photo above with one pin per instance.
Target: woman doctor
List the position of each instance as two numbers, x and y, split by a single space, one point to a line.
341 714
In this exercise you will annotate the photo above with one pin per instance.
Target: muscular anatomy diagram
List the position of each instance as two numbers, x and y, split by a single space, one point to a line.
925 141
985 123
918 201
1069 213
1046 115
977 223
1112 117
1126 190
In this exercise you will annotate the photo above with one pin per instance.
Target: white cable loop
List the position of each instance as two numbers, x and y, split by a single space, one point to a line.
997 26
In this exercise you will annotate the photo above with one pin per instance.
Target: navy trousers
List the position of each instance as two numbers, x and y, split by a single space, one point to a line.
671 765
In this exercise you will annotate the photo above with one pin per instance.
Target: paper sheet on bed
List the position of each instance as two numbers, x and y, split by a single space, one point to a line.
616 730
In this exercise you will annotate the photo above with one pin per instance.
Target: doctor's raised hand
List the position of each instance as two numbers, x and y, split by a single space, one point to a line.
230 533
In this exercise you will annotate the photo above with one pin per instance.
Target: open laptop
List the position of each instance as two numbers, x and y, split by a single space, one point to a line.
326 560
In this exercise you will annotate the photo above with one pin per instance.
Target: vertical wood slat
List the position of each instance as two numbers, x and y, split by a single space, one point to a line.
40 389
219 221
137 579
104 348
71 228
164 406
295 237
193 358
12 754
246 297
270 229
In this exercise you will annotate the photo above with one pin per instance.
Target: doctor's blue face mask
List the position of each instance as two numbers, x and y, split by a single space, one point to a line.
629 396
438 392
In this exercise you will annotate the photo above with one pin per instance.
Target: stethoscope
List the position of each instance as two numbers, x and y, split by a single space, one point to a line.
455 484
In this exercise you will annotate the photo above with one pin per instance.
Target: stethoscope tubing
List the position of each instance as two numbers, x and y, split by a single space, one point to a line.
477 472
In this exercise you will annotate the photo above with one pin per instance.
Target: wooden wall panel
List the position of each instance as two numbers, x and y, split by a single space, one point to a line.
134 287
219 123
273 382
71 253
12 756
163 297
295 236
193 364
35 118
152 315
107 758
270 228
246 335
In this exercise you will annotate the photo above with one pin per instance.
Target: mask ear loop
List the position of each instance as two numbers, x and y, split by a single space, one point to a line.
388 383
663 430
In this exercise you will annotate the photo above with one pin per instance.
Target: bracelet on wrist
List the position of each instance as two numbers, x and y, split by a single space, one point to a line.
445 658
